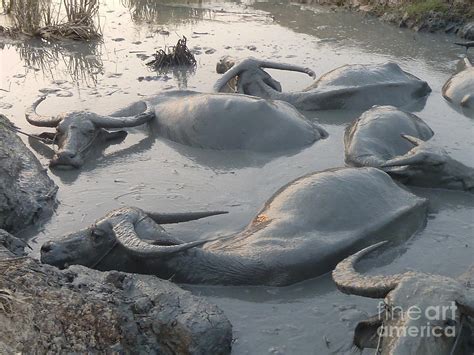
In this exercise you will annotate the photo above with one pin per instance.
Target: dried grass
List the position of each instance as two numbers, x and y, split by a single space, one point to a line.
67 19
178 55
8 298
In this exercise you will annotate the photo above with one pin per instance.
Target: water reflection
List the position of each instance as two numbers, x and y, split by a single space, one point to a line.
166 11
170 12
226 161
181 76
97 159
357 31
82 62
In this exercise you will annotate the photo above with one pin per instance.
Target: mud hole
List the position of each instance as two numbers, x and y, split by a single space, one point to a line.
307 318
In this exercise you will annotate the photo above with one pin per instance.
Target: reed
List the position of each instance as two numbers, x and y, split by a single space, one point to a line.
49 19
82 66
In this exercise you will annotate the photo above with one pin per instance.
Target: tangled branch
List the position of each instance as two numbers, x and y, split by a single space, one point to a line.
178 55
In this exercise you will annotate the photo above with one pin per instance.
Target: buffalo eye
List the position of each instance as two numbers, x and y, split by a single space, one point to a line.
450 322
97 233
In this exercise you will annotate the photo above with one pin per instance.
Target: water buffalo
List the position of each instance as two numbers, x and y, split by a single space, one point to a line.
209 121
397 142
303 231
77 131
423 314
459 89
356 87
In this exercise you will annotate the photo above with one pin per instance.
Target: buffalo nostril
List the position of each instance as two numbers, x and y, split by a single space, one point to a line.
47 247
68 154
65 155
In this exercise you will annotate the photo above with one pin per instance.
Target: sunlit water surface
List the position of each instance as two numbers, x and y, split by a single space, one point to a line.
307 318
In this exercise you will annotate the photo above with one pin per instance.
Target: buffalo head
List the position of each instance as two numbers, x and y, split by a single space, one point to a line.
119 239
421 313
428 165
224 64
252 79
77 131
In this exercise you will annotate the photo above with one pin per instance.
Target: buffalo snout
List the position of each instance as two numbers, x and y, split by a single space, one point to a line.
52 254
66 159
47 247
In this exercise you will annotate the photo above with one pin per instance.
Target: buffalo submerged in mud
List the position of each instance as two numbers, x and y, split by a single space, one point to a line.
350 87
303 231
459 89
400 143
208 121
423 313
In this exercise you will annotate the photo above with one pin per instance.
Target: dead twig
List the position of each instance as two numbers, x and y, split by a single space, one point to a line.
178 55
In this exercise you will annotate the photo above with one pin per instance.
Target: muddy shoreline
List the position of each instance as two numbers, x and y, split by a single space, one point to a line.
79 310
436 17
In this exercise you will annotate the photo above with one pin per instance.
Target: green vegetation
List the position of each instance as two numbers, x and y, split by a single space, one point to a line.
422 7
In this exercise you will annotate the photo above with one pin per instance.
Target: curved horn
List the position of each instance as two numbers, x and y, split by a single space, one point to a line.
246 64
284 66
167 218
407 159
122 122
229 75
465 44
353 283
467 100
38 120
413 140
128 238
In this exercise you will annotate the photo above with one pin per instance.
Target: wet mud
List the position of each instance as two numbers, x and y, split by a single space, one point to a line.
159 175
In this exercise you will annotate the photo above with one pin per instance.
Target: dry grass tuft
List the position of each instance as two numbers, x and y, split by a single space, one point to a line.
178 55
68 19
8 298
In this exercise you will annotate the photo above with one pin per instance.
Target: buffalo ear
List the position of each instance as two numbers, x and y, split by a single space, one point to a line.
41 148
115 135
466 303
365 333
48 137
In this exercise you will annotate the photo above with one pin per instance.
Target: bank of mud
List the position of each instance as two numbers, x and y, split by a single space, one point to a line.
45 310
447 16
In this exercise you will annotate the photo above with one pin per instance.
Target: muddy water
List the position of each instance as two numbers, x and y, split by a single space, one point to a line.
307 318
